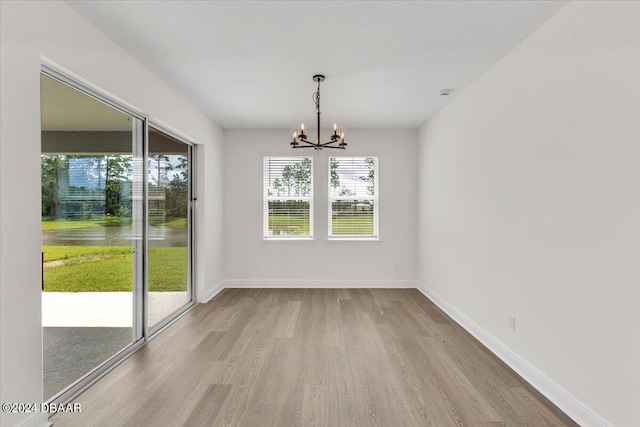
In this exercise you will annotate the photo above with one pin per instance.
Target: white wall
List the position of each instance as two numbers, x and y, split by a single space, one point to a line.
209 228
52 29
530 204
250 261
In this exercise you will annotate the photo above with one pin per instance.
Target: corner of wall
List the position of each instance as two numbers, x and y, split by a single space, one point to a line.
207 295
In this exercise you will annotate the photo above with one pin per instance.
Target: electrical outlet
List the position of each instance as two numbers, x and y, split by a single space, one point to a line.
512 322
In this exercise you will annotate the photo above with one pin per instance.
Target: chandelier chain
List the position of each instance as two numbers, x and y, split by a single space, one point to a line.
316 98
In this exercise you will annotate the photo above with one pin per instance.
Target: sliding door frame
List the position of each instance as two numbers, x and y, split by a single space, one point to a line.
152 330
141 332
139 336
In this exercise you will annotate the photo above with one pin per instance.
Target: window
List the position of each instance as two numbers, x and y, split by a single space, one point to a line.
353 197
288 197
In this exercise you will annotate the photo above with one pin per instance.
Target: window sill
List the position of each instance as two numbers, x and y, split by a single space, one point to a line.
288 239
354 239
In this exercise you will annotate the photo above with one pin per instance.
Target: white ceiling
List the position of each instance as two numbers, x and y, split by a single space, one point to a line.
249 64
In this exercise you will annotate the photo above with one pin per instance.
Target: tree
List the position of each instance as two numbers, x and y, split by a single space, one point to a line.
302 176
344 191
50 166
183 163
370 177
177 190
118 171
278 186
177 197
287 178
335 178
159 167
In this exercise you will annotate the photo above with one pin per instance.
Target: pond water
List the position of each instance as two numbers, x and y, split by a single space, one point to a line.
114 236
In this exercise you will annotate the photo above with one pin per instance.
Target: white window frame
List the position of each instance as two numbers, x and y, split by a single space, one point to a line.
375 199
267 198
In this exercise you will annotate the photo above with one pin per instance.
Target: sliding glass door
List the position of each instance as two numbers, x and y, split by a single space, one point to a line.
169 236
116 233
92 215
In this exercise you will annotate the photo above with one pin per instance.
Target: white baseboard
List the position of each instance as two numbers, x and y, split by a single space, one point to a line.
35 420
293 283
206 296
569 404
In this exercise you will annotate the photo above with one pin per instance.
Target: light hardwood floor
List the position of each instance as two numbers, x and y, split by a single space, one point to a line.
313 357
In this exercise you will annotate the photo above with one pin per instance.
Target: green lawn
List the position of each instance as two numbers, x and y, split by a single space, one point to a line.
352 225
167 269
175 223
346 225
75 253
299 226
109 269
53 224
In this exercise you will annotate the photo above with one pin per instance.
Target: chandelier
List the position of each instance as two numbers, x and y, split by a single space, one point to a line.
336 141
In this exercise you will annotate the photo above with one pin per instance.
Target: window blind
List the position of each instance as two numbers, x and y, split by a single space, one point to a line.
353 197
288 197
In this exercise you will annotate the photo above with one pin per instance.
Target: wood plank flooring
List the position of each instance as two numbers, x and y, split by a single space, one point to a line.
313 357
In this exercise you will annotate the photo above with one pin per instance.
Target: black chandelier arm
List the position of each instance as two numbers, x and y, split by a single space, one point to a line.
304 141
310 144
326 144
318 146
